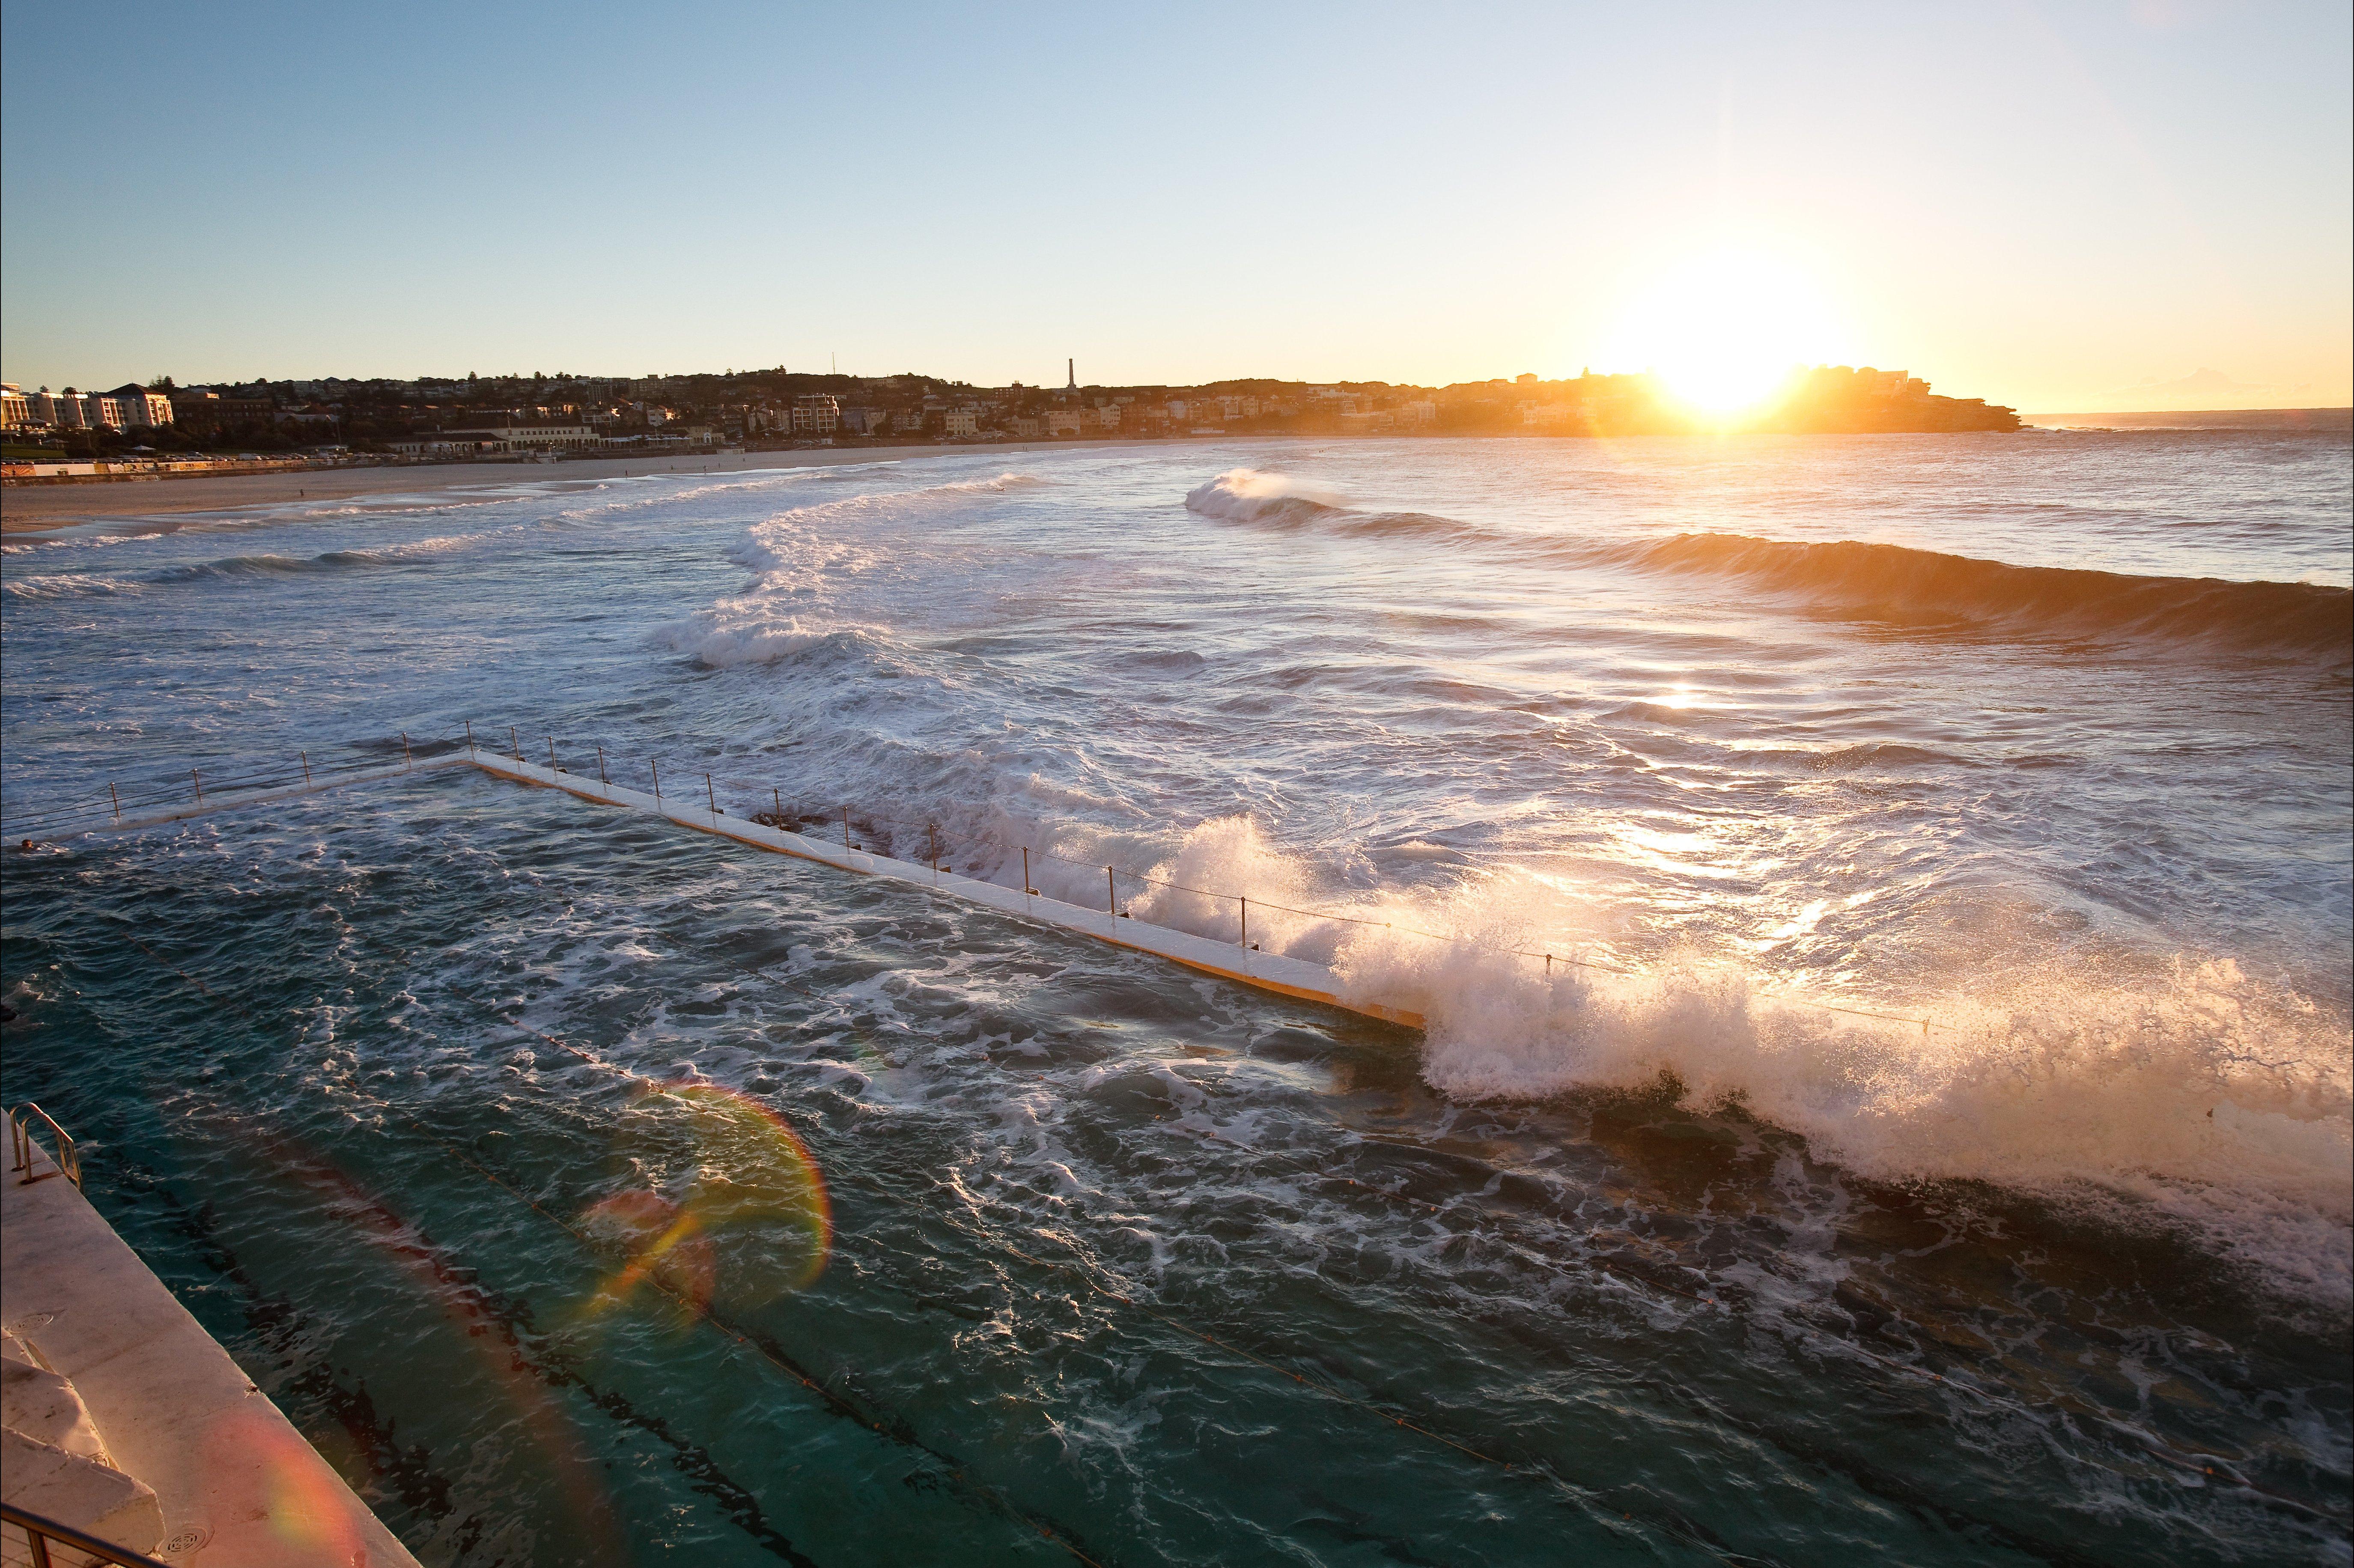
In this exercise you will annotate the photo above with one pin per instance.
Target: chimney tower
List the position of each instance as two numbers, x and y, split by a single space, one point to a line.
1074 367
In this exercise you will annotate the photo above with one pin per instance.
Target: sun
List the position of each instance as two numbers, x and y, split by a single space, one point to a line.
1726 330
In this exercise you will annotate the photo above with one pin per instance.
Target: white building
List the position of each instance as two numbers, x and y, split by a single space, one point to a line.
138 406
961 422
816 414
528 435
15 410
451 443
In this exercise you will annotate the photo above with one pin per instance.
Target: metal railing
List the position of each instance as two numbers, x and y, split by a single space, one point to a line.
40 1530
861 827
21 1147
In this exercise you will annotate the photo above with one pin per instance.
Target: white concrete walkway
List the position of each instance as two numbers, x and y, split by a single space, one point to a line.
238 1486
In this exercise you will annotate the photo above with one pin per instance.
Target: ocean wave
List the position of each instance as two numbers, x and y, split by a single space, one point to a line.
1251 496
1896 583
790 556
753 631
242 567
792 559
67 585
2194 1098
1248 496
235 567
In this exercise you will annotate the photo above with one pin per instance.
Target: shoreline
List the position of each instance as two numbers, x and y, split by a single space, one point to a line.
156 504
160 505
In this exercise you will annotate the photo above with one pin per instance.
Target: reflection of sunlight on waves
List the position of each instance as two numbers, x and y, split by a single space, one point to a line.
2200 1097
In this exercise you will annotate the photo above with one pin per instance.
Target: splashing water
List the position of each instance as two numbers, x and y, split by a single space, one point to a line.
2039 743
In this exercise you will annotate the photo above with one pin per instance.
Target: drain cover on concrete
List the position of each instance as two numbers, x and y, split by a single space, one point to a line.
185 1539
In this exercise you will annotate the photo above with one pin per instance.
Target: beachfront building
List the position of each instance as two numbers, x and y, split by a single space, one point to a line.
195 406
15 410
521 435
961 422
816 414
137 405
449 444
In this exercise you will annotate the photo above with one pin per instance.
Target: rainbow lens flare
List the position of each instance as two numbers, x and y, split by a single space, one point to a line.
754 1221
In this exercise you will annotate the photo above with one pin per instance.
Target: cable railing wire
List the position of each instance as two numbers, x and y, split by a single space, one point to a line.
2208 1466
805 813
230 776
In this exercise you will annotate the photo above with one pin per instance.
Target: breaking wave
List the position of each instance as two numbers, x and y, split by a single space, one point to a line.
67 585
1890 582
249 567
1896 583
792 558
750 630
2191 1097
1248 496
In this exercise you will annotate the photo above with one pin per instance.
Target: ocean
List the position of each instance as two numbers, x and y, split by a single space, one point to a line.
1881 906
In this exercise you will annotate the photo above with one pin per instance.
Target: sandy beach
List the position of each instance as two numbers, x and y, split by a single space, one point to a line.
42 508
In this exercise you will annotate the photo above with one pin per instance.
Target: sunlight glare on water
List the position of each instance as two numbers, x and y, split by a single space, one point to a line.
566 1176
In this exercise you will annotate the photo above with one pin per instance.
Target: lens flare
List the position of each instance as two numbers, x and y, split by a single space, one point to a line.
278 1482
286 1485
754 1222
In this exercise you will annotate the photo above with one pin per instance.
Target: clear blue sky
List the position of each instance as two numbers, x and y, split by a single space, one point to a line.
2052 204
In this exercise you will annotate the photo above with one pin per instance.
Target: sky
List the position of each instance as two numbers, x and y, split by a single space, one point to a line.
2141 205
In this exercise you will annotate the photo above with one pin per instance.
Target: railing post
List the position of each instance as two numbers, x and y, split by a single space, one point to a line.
514 743
306 768
711 795
116 799
845 827
551 755
408 759
607 783
1111 894
470 737
1026 889
779 795
657 771
200 785
1245 940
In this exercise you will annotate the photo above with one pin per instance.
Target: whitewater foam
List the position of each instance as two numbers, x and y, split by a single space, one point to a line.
797 559
2196 1098
1252 495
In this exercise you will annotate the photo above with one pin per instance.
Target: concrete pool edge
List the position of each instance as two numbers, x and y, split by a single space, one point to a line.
236 1481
